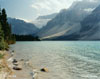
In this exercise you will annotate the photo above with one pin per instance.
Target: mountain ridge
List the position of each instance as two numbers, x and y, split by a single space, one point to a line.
66 19
20 27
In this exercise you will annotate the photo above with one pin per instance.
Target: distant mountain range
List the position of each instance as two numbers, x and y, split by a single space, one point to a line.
79 22
70 24
21 27
41 21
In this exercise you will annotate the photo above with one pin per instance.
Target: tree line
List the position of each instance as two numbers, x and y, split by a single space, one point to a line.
26 38
6 37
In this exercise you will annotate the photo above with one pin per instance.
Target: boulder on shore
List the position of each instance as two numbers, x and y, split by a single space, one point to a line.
44 70
14 61
17 68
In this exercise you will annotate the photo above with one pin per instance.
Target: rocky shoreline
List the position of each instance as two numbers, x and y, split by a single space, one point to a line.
18 69
7 66
5 71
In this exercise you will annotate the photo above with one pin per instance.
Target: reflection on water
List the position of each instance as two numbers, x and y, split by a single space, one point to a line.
65 60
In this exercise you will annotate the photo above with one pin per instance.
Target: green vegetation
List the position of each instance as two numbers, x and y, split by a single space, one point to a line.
2 43
1 56
6 37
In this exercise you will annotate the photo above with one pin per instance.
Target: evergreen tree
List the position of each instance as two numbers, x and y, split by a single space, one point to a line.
6 37
4 24
2 43
0 14
6 27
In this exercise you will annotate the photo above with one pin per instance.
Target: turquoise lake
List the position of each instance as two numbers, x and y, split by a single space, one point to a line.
64 59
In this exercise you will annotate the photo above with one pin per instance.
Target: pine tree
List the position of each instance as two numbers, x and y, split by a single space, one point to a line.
6 37
4 23
0 14
2 43
6 27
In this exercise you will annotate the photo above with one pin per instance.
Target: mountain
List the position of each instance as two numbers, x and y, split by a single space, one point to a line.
91 26
42 20
66 25
21 27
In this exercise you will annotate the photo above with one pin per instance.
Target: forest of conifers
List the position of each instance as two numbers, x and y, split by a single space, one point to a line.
6 37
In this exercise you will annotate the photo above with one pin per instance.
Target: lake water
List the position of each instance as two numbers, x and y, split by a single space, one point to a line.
64 59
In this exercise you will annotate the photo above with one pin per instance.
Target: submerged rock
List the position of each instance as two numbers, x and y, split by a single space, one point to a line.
13 51
22 60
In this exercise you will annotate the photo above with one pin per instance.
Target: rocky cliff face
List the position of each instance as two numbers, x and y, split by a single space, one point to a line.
91 26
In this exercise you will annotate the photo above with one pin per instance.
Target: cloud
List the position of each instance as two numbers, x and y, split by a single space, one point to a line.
44 7
50 6
93 0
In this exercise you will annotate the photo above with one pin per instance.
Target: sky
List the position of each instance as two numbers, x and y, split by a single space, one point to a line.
29 10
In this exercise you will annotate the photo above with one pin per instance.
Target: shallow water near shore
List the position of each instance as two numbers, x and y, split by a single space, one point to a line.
64 59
